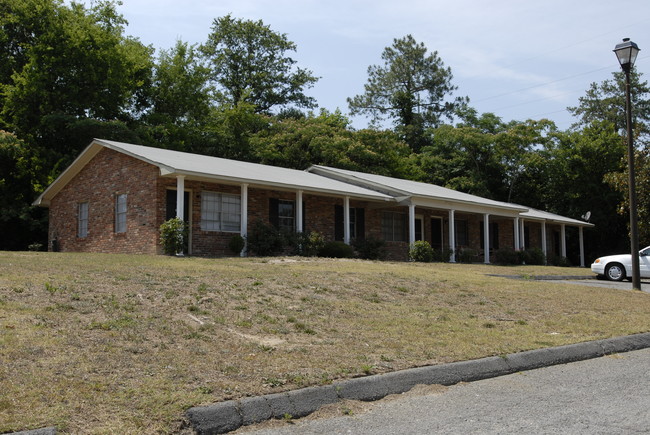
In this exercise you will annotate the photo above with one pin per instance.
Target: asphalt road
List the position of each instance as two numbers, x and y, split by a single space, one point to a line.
608 395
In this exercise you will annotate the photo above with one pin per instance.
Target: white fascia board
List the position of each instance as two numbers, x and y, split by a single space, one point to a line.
467 207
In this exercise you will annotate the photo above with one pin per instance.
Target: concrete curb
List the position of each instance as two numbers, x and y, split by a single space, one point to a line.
228 416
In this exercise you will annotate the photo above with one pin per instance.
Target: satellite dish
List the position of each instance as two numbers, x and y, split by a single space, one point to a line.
586 216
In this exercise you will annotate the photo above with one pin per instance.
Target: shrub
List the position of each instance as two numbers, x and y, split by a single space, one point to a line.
336 250
265 240
558 260
173 236
442 255
307 244
236 244
534 257
35 247
466 255
369 248
421 251
507 256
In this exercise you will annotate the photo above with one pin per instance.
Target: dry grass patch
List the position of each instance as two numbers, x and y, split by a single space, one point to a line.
112 343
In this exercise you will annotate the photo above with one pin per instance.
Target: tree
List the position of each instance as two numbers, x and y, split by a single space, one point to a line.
606 102
20 178
412 88
68 60
179 100
250 64
327 139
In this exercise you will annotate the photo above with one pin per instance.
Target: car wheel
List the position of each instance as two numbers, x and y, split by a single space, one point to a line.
615 272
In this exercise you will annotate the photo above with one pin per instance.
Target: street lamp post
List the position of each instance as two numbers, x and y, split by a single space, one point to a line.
626 53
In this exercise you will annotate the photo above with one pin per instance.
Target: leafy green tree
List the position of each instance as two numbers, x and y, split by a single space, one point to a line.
179 100
412 88
21 177
606 102
68 60
249 63
327 139
576 167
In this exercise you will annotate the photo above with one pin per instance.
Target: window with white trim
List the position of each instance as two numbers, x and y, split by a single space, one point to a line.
393 226
82 219
120 213
287 215
220 212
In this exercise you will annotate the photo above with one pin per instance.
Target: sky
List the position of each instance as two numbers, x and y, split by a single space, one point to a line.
517 59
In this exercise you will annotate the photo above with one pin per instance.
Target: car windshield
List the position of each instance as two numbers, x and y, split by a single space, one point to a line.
645 251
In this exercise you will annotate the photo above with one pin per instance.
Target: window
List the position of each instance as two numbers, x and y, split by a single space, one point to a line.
462 236
120 213
82 219
393 226
286 215
220 212
357 223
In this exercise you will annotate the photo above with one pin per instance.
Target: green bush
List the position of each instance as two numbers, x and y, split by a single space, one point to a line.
534 257
173 236
507 256
421 251
336 250
369 248
466 255
307 244
236 244
441 255
558 260
266 240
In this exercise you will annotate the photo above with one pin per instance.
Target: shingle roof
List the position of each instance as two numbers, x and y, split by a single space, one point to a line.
194 165
401 187
551 217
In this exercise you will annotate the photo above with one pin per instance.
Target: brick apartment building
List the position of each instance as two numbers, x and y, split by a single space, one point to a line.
114 197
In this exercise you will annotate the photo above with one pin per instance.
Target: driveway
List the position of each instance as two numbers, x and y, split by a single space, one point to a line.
593 282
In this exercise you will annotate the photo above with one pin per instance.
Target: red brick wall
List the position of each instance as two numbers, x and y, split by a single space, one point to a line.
108 174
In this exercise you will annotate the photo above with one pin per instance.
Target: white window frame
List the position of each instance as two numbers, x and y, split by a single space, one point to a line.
397 223
120 212
220 212
82 219
287 221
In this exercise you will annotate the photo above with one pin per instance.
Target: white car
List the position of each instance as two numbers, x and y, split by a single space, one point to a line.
619 267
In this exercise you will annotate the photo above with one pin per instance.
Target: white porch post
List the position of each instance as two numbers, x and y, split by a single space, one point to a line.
411 224
563 236
346 220
522 235
299 228
243 231
180 196
544 249
486 238
180 200
516 234
452 236
582 248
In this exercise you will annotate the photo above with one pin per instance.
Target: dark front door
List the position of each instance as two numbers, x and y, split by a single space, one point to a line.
171 205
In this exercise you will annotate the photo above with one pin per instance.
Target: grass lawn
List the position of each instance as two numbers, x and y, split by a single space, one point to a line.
96 343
